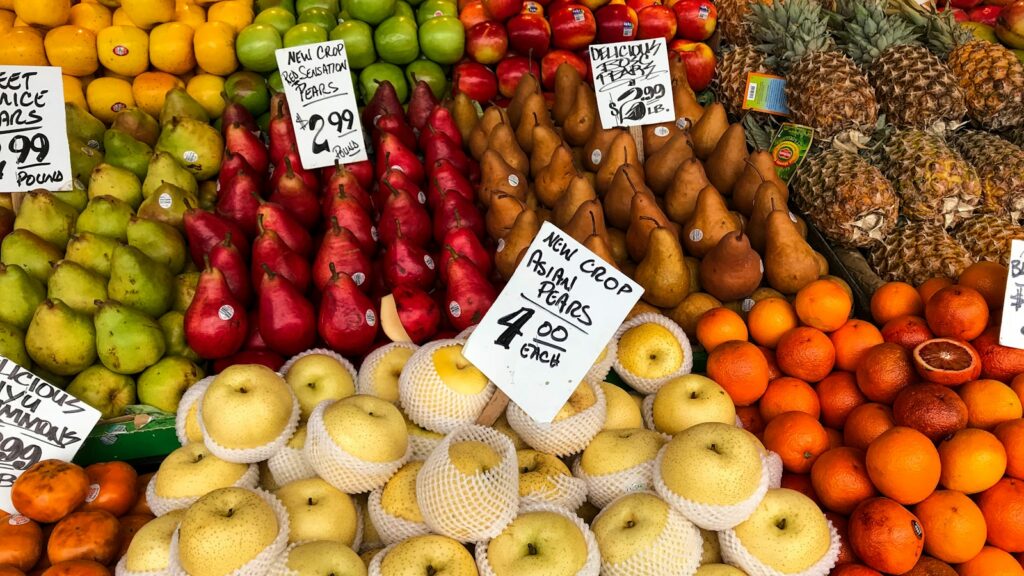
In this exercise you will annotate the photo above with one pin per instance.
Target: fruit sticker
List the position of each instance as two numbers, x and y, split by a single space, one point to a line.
632 82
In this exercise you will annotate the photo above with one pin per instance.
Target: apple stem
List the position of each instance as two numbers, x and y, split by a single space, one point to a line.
531 549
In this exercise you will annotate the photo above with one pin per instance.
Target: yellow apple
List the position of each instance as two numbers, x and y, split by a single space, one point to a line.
319 511
538 544
787 532
622 411
368 428
192 471
614 451
150 548
688 400
318 377
398 498
247 406
325 558
224 530
537 472
650 351
382 368
712 463
457 372
431 554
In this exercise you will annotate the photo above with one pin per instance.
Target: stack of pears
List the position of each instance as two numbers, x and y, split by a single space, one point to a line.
692 215
96 280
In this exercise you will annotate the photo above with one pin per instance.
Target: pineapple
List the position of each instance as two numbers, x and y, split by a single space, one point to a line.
918 251
730 81
934 183
987 237
846 198
732 24
1000 165
914 88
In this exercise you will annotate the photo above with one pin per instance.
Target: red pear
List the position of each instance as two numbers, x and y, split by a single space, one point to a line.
232 165
235 113
418 312
396 126
205 230
363 171
421 103
340 176
274 217
348 319
310 177
292 192
441 120
385 101
445 176
240 140
464 242
396 179
456 212
340 249
231 263
404 209
351 215
406 263
238 199
391 153
469 294
269 252
254 340
287 319
437 145
215 322
281 133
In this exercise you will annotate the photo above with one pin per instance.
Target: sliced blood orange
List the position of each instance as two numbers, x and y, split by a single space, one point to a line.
947 361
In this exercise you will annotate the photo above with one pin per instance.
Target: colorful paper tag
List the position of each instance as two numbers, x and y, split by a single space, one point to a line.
766 93
789 148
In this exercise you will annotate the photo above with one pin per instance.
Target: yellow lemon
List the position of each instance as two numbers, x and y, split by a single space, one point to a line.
170 48
108 96
45 13
236 13
22 46
208 90
189 13
214 45
123 50
150 88
120 18
93 17
73 92
73 48
148 13
6 20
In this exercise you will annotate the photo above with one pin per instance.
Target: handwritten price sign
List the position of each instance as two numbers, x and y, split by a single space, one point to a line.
633 83
551 322
1011 328
34 149
318 82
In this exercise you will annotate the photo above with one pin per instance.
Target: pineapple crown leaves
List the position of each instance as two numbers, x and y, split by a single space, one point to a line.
941 29
760 130
864 30
785 32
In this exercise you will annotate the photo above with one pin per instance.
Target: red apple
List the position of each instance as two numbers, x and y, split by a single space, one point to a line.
656 21
985 14
1010 25
699 60
616 23
473 14
960 15
487 42
475 81
532 7
510 70
639 5
552 60
964 4
696 19
529 34
573 26
502 10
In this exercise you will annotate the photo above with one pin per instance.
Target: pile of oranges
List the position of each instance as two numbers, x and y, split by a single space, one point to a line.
907 430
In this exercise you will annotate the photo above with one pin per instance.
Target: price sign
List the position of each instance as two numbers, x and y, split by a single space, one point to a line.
34 150
551 322
632 82
318 82
38 421
1011 328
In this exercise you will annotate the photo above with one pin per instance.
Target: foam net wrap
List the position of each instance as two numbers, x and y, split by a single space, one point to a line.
592 566
188 400
651 385
259 453
429 402
676 551
161 506
392 529
565 437
736 554
366 382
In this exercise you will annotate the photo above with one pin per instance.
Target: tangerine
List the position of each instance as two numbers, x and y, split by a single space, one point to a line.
933 410
865 423
852 340
954 524
798 438
1003 508
720 325
957 312
805 353
788 394
989 279
997 361
991 562
1011 434
840 479
769 319
741 369
903 464
894 299
990 403
929 287
838 395
972 461
823 304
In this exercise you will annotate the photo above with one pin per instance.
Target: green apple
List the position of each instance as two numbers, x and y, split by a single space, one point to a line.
430 554
255 47
319 511
402 8
396 40
163 383
150 548
278 17
379 72
304 33
191 471
358 37
319 16
325 557
430 72
241 395
787 532
274 82
248 89
443 39
538 544
328 5
104 390
288 5
371 11
224 530
434 8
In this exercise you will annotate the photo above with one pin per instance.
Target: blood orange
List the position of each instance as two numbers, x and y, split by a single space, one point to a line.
947 361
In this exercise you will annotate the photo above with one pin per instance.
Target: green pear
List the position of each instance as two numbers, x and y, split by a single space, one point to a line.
163 383
208 195
179 104
194 144
35 255
106 215
184 290
76 286
84 126
109 180
22 293
45 216
137 124
84 158
47 376
77 197
164 168
12 345
92 251
138 281
104 390
61 340
161 242
127 340
123 151
173 326
168 205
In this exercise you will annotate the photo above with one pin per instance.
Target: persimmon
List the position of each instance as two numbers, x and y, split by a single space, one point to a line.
49 490
77 568
86 535
130 525
112 487
21 542
141 505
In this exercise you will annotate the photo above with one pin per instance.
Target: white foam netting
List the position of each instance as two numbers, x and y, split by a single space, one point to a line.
676 551
568 492
592 566
599 371
265 561
365 383
339 468
429 402
290 464
193 394
259 453
469 508
374 568
161 506
422 446
735 553
391 528
565 437
651 385
322 352
605 488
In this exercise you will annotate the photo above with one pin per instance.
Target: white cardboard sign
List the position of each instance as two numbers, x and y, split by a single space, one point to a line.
34 151
551 322
1011 328
318 82
632 82
38 421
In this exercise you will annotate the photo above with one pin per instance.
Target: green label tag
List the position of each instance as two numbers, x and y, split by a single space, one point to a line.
789 148
766 93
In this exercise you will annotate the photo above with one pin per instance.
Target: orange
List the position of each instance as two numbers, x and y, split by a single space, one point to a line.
957 312
798 438
73 48
823 304
750 419
928 566
805 353
1003 507
997 361
865 423
885 370
1017 385
740 368
989 279
947 361
852 341
773 364
835 438
903 464
214 47
189 14
972 461
991 562
932 285
720 325
769 319
800 483
1011 434
838 395
907 331
954 524
236 13
73 92
840 478
788 394
894 299
989 403
886 536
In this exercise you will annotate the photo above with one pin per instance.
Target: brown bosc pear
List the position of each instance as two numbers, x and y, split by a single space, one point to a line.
822 263
552 182
732 269
768 197
644 216
660 167
583 119
519 237
789 261
479 139
526 87
464 114
618 200
708 130
710 222
503 141
588 219
683 97
681 196
596 148
599 244
578 191
535 111
662 271
502 214
758 169
617 244
498 177
657 135
567 82
545 142
726 162
622 150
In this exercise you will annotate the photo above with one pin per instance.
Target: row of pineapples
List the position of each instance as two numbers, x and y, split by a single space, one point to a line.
959 190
